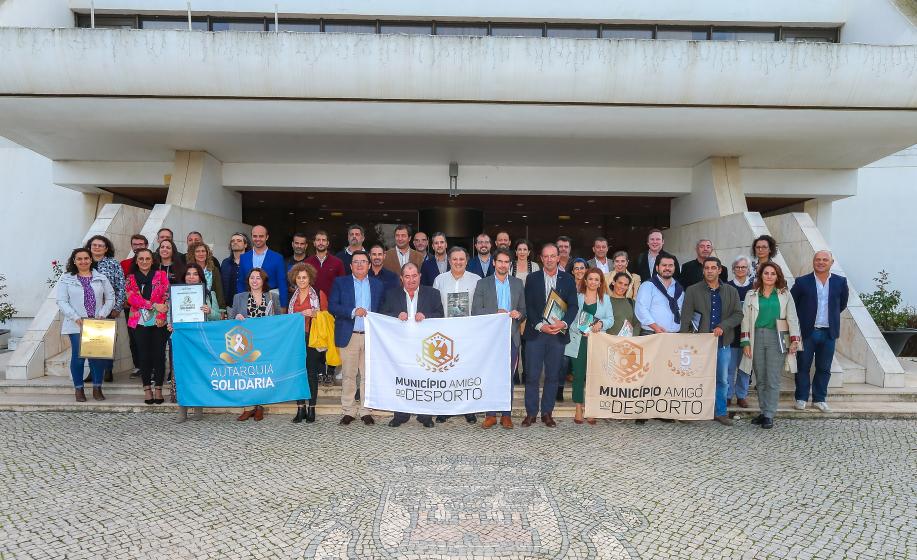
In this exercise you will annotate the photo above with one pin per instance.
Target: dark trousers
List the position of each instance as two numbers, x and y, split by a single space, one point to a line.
135 355
818 348
314 362
543 352
402 417
513 361
151 346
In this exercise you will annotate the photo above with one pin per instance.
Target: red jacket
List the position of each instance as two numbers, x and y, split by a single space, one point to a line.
327 273
160 294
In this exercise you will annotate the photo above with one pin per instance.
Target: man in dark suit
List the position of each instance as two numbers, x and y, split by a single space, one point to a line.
645 263
267 260
820 299
352 297
438 262
545 341
482 263
502 293
412 302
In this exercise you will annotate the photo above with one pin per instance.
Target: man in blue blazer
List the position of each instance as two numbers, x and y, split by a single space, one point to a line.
412 302
352 297
477 264
820 298
545 341
267 260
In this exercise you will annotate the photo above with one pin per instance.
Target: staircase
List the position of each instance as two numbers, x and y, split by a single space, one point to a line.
55 394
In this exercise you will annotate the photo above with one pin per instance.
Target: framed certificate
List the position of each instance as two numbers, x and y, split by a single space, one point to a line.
186 301
97 339
554 308
458 304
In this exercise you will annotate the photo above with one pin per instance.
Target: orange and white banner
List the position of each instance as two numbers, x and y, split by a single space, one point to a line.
657 376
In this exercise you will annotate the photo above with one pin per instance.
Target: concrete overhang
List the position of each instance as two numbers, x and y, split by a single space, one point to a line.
109 95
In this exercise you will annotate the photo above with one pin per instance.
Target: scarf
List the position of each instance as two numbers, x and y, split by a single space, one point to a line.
313 300
673 301
144 283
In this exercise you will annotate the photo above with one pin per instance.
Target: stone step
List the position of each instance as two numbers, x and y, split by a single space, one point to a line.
852 371
123 385
329 407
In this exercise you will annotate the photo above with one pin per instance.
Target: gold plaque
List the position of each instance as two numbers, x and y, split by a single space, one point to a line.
97 339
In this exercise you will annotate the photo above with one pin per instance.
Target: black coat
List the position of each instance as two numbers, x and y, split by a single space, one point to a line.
429 302
641 266
535 300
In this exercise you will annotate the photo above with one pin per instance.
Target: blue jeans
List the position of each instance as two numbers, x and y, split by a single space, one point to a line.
818 348
513 362
542 352
738 379
96 367
723 357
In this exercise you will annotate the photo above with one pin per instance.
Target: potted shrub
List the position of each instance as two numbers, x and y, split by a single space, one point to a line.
885 307
7 311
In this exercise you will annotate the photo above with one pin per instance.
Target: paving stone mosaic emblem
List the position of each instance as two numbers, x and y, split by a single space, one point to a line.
440 508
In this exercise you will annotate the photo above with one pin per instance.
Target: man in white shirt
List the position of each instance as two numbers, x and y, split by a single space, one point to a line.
456 287
659 300
456 282
600 258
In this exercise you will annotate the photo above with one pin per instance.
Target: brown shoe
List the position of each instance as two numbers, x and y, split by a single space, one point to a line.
489 422
368 419
246 414
80 395
528 421
743 403
506 422
548 421
259 413
590 421
724 420
346 420
97 394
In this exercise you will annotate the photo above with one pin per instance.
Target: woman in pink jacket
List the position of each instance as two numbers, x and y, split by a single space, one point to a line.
147 295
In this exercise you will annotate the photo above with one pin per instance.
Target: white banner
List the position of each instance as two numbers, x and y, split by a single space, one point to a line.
438 366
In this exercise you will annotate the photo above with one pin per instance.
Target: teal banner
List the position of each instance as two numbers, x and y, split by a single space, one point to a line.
240 363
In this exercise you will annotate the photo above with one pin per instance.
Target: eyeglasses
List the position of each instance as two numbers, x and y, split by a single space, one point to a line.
739 267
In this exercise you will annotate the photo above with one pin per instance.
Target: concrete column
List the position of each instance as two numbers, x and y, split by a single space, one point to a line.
197 184
716 191
820 211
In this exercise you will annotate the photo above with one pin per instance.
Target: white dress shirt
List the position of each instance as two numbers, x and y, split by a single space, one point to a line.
411 303
821 313
653 307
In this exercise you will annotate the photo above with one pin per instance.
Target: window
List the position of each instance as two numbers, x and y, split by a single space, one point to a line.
590 32
745 35
406 28
626 33
297 26
517 30
461 29
172 23
682 34
350 27
107 22
237 25
812 35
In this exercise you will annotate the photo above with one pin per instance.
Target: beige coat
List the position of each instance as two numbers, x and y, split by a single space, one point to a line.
787 311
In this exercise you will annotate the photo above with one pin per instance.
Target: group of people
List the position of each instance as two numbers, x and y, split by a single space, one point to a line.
761 325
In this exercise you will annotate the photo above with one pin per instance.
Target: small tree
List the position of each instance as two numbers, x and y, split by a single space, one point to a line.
885 305
7 311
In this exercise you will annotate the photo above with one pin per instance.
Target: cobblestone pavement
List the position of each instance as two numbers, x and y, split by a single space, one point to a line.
140 486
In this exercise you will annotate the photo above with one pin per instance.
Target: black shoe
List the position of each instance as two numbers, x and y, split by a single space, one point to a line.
757 419
428 423
640 421
109 377
310 414
767 423
441 419
560 394
300 414
356 396
395 423
666 420
471 418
